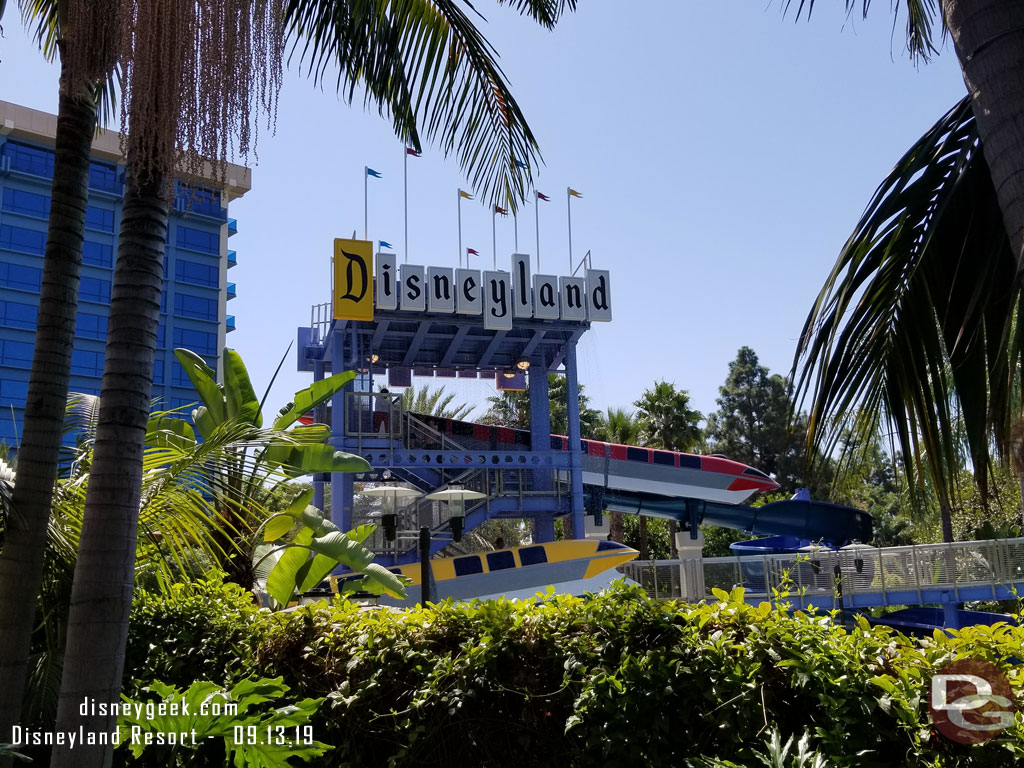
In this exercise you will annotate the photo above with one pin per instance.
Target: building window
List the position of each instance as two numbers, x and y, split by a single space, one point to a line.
196 240
104 177
99 218
158 371
28 159
85 362
22 278
93 289
26 203
90 326
160 332
200 342
197 274
195 306
97 254
21 239
16 315
13 392
15 354
199 200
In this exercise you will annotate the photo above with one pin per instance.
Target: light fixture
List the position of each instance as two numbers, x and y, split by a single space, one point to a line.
509 374
374 357
522 364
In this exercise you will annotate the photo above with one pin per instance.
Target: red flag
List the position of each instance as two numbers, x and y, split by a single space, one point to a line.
472 251
499 209
542 196
413 152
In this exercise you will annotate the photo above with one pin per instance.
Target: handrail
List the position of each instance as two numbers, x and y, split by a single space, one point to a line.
964 570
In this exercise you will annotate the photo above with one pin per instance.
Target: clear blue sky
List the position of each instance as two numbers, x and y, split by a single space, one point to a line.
724 153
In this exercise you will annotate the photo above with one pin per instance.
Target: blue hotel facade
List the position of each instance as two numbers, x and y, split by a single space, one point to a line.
194 308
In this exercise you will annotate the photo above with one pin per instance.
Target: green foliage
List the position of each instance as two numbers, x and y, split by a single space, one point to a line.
618 426
512 409
201 630
179 725
434 403
717 540
906 332
615 679
315 550
666 419
659 537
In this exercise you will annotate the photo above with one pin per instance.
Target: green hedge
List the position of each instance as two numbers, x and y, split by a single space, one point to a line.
616 679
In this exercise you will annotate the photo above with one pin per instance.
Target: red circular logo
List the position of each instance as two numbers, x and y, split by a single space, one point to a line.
971 701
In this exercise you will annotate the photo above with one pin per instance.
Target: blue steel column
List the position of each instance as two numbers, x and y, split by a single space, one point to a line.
572 406
318 485
540 431
341 482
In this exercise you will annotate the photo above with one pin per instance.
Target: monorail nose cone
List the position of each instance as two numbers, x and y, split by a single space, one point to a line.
604 546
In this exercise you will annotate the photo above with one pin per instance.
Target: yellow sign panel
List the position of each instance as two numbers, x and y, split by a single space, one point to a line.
353 279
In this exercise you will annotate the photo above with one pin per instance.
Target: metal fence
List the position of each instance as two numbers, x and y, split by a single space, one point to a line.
962 571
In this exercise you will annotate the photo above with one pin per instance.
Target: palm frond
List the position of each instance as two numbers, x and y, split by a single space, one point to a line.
921 18
916 321
425 65
42 18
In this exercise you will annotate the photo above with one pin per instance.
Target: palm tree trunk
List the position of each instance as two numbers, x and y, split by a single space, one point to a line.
989 40
644 547
101 597
21 564
616 527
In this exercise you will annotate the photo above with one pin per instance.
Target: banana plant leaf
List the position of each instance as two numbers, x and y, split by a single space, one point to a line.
239 395
312 397
204 380
304 459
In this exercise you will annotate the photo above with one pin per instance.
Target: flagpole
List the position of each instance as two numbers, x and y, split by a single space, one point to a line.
459 196
366 200
515 223
536 211
568 207
405 174
494 237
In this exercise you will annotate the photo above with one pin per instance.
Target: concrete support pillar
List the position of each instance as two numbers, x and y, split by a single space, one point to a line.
572 407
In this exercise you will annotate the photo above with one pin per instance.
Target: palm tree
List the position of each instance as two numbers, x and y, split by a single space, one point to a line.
618 426
424 64
985 36
666 420
86 43
918 325
434 403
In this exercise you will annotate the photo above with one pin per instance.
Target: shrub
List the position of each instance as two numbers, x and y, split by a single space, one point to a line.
616 679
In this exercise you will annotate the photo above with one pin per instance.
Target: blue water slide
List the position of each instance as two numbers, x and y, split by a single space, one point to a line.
801 518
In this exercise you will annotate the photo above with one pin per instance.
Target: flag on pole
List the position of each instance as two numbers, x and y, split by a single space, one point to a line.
465 195
472 252
522 165
375 174
413 152
502 211
574 193
386 244
542 196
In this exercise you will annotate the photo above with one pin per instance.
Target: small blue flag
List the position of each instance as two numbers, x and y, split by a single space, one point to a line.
375 174
522 165
386 244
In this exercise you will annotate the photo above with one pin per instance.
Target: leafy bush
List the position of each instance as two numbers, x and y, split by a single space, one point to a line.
563 681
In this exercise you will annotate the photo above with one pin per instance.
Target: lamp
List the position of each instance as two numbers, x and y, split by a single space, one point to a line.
456 492
509 374
374 357
522 364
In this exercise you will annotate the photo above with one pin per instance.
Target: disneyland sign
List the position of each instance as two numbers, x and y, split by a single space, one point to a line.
361 285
